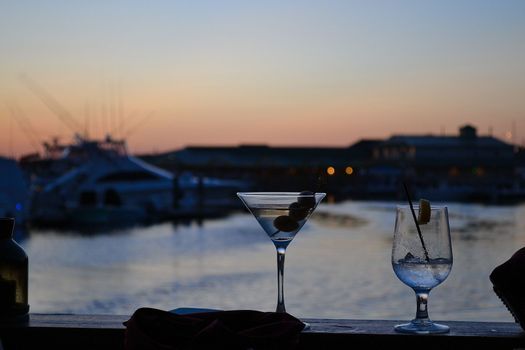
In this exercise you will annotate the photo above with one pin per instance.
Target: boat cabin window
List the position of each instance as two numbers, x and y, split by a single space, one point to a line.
88 198
128 176
112 198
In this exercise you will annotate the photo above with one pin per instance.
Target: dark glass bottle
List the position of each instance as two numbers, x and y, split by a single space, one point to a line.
13 275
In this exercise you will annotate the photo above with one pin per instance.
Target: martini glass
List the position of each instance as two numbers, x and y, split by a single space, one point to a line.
281 215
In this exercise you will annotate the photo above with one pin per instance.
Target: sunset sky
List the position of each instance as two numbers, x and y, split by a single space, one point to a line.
166 74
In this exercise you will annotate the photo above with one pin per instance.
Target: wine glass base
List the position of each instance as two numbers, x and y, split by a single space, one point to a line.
422 328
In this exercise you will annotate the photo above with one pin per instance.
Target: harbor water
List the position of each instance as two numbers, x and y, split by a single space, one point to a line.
338 266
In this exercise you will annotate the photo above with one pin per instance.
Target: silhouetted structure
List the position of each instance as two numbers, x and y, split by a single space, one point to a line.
461 167
273 168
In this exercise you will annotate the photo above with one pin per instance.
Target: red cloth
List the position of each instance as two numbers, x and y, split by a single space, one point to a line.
239 329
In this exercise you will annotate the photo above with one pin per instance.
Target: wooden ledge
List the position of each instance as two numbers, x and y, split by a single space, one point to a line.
53 331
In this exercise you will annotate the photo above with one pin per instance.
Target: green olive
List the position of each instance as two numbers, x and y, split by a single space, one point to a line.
285 223
297 211
306 199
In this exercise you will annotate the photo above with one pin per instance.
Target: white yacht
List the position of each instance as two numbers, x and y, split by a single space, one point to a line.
106 186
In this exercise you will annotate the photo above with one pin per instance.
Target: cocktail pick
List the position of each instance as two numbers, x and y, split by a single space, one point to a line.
415 221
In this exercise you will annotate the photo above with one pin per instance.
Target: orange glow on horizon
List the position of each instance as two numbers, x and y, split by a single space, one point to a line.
236 80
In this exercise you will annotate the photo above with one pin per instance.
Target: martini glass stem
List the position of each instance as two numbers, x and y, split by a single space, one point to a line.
280 279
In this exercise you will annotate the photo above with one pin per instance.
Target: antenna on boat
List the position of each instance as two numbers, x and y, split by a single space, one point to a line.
112 107
120 114
117 123
514 136
86 119
52 104
10 140
130 117
24 123
138 124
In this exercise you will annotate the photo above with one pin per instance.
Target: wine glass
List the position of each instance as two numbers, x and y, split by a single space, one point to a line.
281 215
422 259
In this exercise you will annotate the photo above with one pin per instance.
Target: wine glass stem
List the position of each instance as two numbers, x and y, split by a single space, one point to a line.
280 279
422 310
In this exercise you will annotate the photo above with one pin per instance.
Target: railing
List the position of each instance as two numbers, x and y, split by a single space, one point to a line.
49 331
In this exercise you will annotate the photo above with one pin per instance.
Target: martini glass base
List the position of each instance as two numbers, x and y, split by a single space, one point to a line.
417 327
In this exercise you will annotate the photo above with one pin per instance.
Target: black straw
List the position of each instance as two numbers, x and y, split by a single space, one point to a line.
415 220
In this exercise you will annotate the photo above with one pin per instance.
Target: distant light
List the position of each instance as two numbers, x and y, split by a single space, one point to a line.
454 171
508 135
18 206
349 170
478 171
330 170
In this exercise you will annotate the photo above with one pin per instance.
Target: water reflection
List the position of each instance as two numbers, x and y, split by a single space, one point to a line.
339 267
